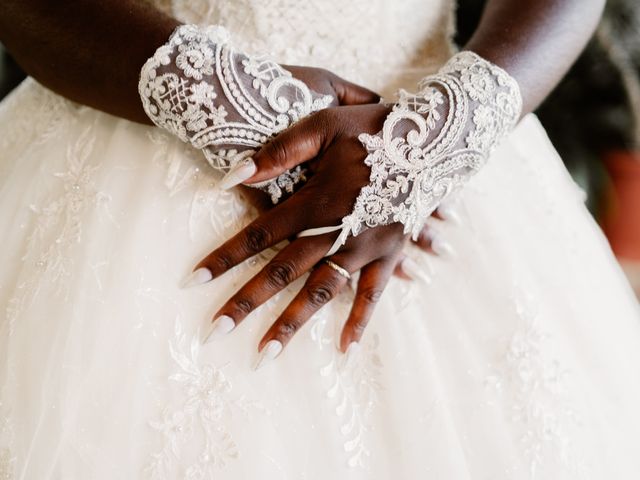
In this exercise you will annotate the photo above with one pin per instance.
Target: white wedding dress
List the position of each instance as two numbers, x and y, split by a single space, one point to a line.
519 360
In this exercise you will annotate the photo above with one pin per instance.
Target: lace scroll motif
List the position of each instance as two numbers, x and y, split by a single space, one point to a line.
417 159
223 102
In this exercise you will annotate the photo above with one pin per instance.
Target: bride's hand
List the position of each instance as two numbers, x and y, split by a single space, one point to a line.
328 83
330 137
324 82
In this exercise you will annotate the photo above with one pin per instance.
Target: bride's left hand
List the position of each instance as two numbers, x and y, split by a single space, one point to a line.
330 137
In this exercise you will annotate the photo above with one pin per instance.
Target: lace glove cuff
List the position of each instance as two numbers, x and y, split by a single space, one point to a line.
432 142
223 102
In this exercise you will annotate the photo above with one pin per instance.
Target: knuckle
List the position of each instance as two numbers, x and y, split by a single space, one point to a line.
372 295
243 305
277 152
326 117
321 120
280 274
333 79
287 328
358 326
319 72
257 238
321 293
221 262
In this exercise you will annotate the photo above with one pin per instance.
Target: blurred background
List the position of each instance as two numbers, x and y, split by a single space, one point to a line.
593 119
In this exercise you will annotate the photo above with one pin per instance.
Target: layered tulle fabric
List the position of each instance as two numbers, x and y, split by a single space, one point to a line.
520 359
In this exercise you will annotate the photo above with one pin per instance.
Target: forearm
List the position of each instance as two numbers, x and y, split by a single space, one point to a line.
86 50
535 41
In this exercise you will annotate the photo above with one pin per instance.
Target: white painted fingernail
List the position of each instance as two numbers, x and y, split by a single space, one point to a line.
239 173
270 351
198 277
447 212
220 326
412 270
442 248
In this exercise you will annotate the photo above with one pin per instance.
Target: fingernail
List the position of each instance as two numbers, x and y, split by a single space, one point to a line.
350 355
447 212
220 326
411 268
270 351
240 172
442 248
198 277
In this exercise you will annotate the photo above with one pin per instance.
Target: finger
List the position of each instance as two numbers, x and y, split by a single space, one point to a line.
289 264
373 279
434 243
256 198
267 230
353 94
425 237
322 286
298 144
408 269
448 211
398 270
423 242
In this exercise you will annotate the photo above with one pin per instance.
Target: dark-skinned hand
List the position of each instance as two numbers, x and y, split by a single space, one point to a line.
327 139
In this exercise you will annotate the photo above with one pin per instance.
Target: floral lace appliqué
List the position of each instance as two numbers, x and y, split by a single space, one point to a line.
414 164
199 418
535 387
58 225
222 102
353 387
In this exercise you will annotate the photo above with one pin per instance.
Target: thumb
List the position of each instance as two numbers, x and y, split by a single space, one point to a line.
297 144
352 94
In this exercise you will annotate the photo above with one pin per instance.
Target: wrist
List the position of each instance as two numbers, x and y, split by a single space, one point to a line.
433 141
223 102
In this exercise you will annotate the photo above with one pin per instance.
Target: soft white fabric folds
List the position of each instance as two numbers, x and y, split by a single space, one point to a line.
519 361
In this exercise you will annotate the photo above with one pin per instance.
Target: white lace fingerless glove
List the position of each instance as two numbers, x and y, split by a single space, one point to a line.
223 102
431 143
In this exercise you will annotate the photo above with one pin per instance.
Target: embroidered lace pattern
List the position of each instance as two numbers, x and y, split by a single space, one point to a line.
432 142
353 383
200 419
223 102
534 384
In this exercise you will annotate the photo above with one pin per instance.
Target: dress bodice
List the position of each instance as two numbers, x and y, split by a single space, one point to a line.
383 44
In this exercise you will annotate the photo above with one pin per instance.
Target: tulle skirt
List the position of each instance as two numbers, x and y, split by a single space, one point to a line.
519 359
